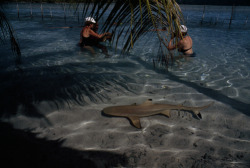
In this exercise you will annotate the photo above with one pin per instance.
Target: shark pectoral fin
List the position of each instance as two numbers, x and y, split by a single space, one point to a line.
166 113
135 121
197 113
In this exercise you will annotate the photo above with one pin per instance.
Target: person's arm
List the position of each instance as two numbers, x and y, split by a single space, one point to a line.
92 33
170 45
81 36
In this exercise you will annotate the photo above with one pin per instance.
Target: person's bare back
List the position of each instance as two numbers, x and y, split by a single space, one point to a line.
184 44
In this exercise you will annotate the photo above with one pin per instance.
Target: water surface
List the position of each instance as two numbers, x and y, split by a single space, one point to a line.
222 50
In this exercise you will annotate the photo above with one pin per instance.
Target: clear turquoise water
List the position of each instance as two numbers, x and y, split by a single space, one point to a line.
222 54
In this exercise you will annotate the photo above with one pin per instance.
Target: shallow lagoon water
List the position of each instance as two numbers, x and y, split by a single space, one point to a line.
62 91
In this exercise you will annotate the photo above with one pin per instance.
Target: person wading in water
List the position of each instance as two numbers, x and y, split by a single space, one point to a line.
86 36
185 43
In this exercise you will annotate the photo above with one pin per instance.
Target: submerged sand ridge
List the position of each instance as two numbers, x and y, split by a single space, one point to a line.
220 139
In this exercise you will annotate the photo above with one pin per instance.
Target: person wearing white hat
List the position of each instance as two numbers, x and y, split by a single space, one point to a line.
184 44
87 32
90 19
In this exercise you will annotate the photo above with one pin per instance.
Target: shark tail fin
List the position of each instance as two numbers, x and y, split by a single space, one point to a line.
166 113
197 110
135 121
203 107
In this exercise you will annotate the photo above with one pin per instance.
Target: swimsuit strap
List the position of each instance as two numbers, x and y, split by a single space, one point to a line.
187 49
182 50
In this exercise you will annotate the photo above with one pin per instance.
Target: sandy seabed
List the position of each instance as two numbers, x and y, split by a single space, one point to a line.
58 120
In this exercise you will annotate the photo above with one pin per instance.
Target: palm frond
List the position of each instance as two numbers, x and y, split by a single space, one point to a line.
131 19
7 34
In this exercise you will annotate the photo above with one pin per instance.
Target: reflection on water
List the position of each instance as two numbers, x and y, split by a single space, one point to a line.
222 54
221 63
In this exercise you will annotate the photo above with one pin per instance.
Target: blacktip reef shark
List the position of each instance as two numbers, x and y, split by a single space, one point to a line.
135 112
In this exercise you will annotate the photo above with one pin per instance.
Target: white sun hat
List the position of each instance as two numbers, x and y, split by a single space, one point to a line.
183 28
90 19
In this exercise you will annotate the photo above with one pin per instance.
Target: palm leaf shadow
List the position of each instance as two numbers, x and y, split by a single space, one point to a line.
68 84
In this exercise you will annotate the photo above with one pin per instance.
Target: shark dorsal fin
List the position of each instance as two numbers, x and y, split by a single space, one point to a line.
135 121
147 102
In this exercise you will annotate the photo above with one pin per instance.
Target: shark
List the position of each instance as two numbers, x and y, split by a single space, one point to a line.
134 112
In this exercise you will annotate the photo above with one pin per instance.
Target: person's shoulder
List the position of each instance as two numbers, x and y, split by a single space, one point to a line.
84 28
188 36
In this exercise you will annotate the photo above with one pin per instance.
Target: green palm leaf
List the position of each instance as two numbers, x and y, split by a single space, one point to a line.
133 19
